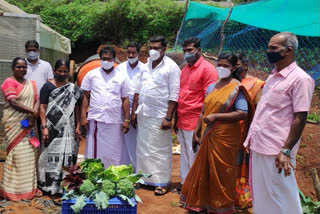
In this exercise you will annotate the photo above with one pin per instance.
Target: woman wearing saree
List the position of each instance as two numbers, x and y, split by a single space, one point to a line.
59 114
19 181
210 183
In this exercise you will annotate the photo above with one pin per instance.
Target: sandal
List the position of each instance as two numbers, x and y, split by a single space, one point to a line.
39 193
160 191
176 190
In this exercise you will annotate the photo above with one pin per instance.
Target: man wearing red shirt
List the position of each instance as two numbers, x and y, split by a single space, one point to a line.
195 78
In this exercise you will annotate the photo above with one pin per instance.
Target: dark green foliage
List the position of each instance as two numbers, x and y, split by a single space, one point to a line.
116 21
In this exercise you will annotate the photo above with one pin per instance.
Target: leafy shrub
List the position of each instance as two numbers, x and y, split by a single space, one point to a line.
116 21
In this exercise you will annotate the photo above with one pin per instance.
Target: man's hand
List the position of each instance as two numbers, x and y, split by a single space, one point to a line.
134 120
209 119
125 127
45 134
195 141
283 161
84 123
165 125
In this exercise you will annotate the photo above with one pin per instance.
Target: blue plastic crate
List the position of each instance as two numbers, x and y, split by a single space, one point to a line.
116 206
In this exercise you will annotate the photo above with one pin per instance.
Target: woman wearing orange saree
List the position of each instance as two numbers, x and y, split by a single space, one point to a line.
252 84
210 183
19 179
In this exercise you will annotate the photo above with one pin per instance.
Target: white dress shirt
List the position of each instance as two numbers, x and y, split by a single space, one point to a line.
132 76
106 91
157 86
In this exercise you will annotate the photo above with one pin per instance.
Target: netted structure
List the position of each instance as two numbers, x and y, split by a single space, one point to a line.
249 28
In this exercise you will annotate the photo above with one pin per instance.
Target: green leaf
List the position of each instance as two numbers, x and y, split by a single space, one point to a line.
80 203
138 199
68 195
136 178
101 200
125 198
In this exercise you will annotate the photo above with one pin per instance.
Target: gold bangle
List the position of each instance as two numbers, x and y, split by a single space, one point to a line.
127 120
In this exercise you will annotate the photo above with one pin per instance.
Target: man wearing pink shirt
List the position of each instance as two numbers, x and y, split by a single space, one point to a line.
276 129
195 78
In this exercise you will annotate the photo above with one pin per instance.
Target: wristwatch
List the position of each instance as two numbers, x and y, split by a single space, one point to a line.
168 119
286 152
127 120
43 127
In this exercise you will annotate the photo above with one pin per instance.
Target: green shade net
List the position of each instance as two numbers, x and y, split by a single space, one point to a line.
301 17
250 27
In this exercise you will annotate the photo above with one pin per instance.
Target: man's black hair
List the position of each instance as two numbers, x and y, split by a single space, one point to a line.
32 43
194 40
161 39
134 45
108 49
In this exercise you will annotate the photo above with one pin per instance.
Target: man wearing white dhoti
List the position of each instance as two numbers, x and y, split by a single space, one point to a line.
276 129
106 94
155 99
131 69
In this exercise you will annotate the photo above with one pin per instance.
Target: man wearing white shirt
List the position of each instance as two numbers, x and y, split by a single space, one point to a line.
131 69
106 94
155 99
39 71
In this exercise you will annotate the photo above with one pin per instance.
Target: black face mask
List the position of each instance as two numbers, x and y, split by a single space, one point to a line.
60 78
236 73
274 56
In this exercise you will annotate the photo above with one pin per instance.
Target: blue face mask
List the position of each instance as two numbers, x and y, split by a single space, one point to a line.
32 55
190 57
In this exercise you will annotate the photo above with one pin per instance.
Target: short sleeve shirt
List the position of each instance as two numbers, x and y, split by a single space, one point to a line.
193 83
106 91
39 72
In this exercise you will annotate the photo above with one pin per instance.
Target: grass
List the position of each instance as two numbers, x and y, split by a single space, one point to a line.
314 117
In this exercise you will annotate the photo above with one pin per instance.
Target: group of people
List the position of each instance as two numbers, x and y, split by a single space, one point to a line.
41 125
219 114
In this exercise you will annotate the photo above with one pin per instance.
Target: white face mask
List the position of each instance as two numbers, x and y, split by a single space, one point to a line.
106 64
223 72
154 55
132 60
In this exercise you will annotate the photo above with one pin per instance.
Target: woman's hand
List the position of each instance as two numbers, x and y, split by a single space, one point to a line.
84 122
31 121
209 119
45 134
78 131
35 113
195 140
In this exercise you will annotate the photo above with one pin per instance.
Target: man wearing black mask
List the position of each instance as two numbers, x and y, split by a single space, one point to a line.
275 131
195 78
